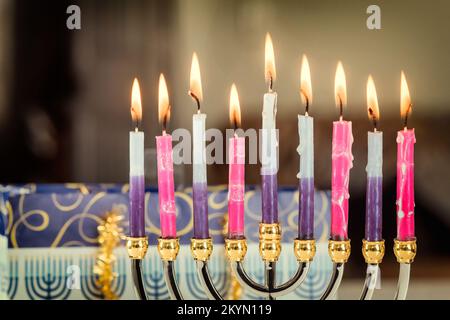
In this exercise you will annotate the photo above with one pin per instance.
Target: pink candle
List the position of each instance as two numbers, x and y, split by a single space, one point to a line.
405 169
166 190
166 195
342 162
405 184
236 188
236 183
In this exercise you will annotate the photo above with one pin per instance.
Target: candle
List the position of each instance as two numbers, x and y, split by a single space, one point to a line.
200 186
269 159
342 162
405 170
137 180
166 196
374 169
306 153
236 177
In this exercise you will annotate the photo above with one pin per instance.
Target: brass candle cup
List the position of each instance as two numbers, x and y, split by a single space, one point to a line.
168 248
137 247
270 241
339 251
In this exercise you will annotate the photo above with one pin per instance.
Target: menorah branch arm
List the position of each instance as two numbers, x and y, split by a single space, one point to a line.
293 283
305 251
236 249
339 252
136 272
169 277
137 249
206 281
246 282
168 250
370 282
335 282
373 252
405 252
201 250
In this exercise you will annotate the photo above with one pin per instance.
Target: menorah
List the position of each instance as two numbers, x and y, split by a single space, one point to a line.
269 250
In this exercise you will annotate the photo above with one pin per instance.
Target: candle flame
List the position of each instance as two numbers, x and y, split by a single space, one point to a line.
270 70
235 108
372 100
163 101
136 105
305 82
405 98
196 79
340 86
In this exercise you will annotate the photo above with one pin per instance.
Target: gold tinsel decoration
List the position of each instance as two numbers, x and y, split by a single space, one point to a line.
110 233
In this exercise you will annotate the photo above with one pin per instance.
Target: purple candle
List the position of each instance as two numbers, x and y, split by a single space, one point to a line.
374 209
200 203
137 203
199 178
137 180
306 209
269 197
374 169
306 155
269 141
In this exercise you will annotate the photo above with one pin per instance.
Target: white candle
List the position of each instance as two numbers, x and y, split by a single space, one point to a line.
374 166
199 186
269 152
269 135
137 179
199 151
306 146
136 153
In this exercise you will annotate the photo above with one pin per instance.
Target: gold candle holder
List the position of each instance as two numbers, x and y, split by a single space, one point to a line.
373 251
137 247
201 249
339 251
236 249
304 250
270 241
405 251
168 248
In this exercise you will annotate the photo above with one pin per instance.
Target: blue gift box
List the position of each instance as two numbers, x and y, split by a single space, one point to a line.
52 231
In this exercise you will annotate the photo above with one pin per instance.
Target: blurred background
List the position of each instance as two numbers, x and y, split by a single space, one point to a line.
65 94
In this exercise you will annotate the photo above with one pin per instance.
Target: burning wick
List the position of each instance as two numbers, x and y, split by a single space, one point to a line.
271 84
406 116
341 109
164 122
307 102
197 100
374 119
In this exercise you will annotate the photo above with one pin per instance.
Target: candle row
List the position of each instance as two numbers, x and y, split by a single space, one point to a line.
342 162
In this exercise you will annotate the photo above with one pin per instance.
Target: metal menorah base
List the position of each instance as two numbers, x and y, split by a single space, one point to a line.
270 249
